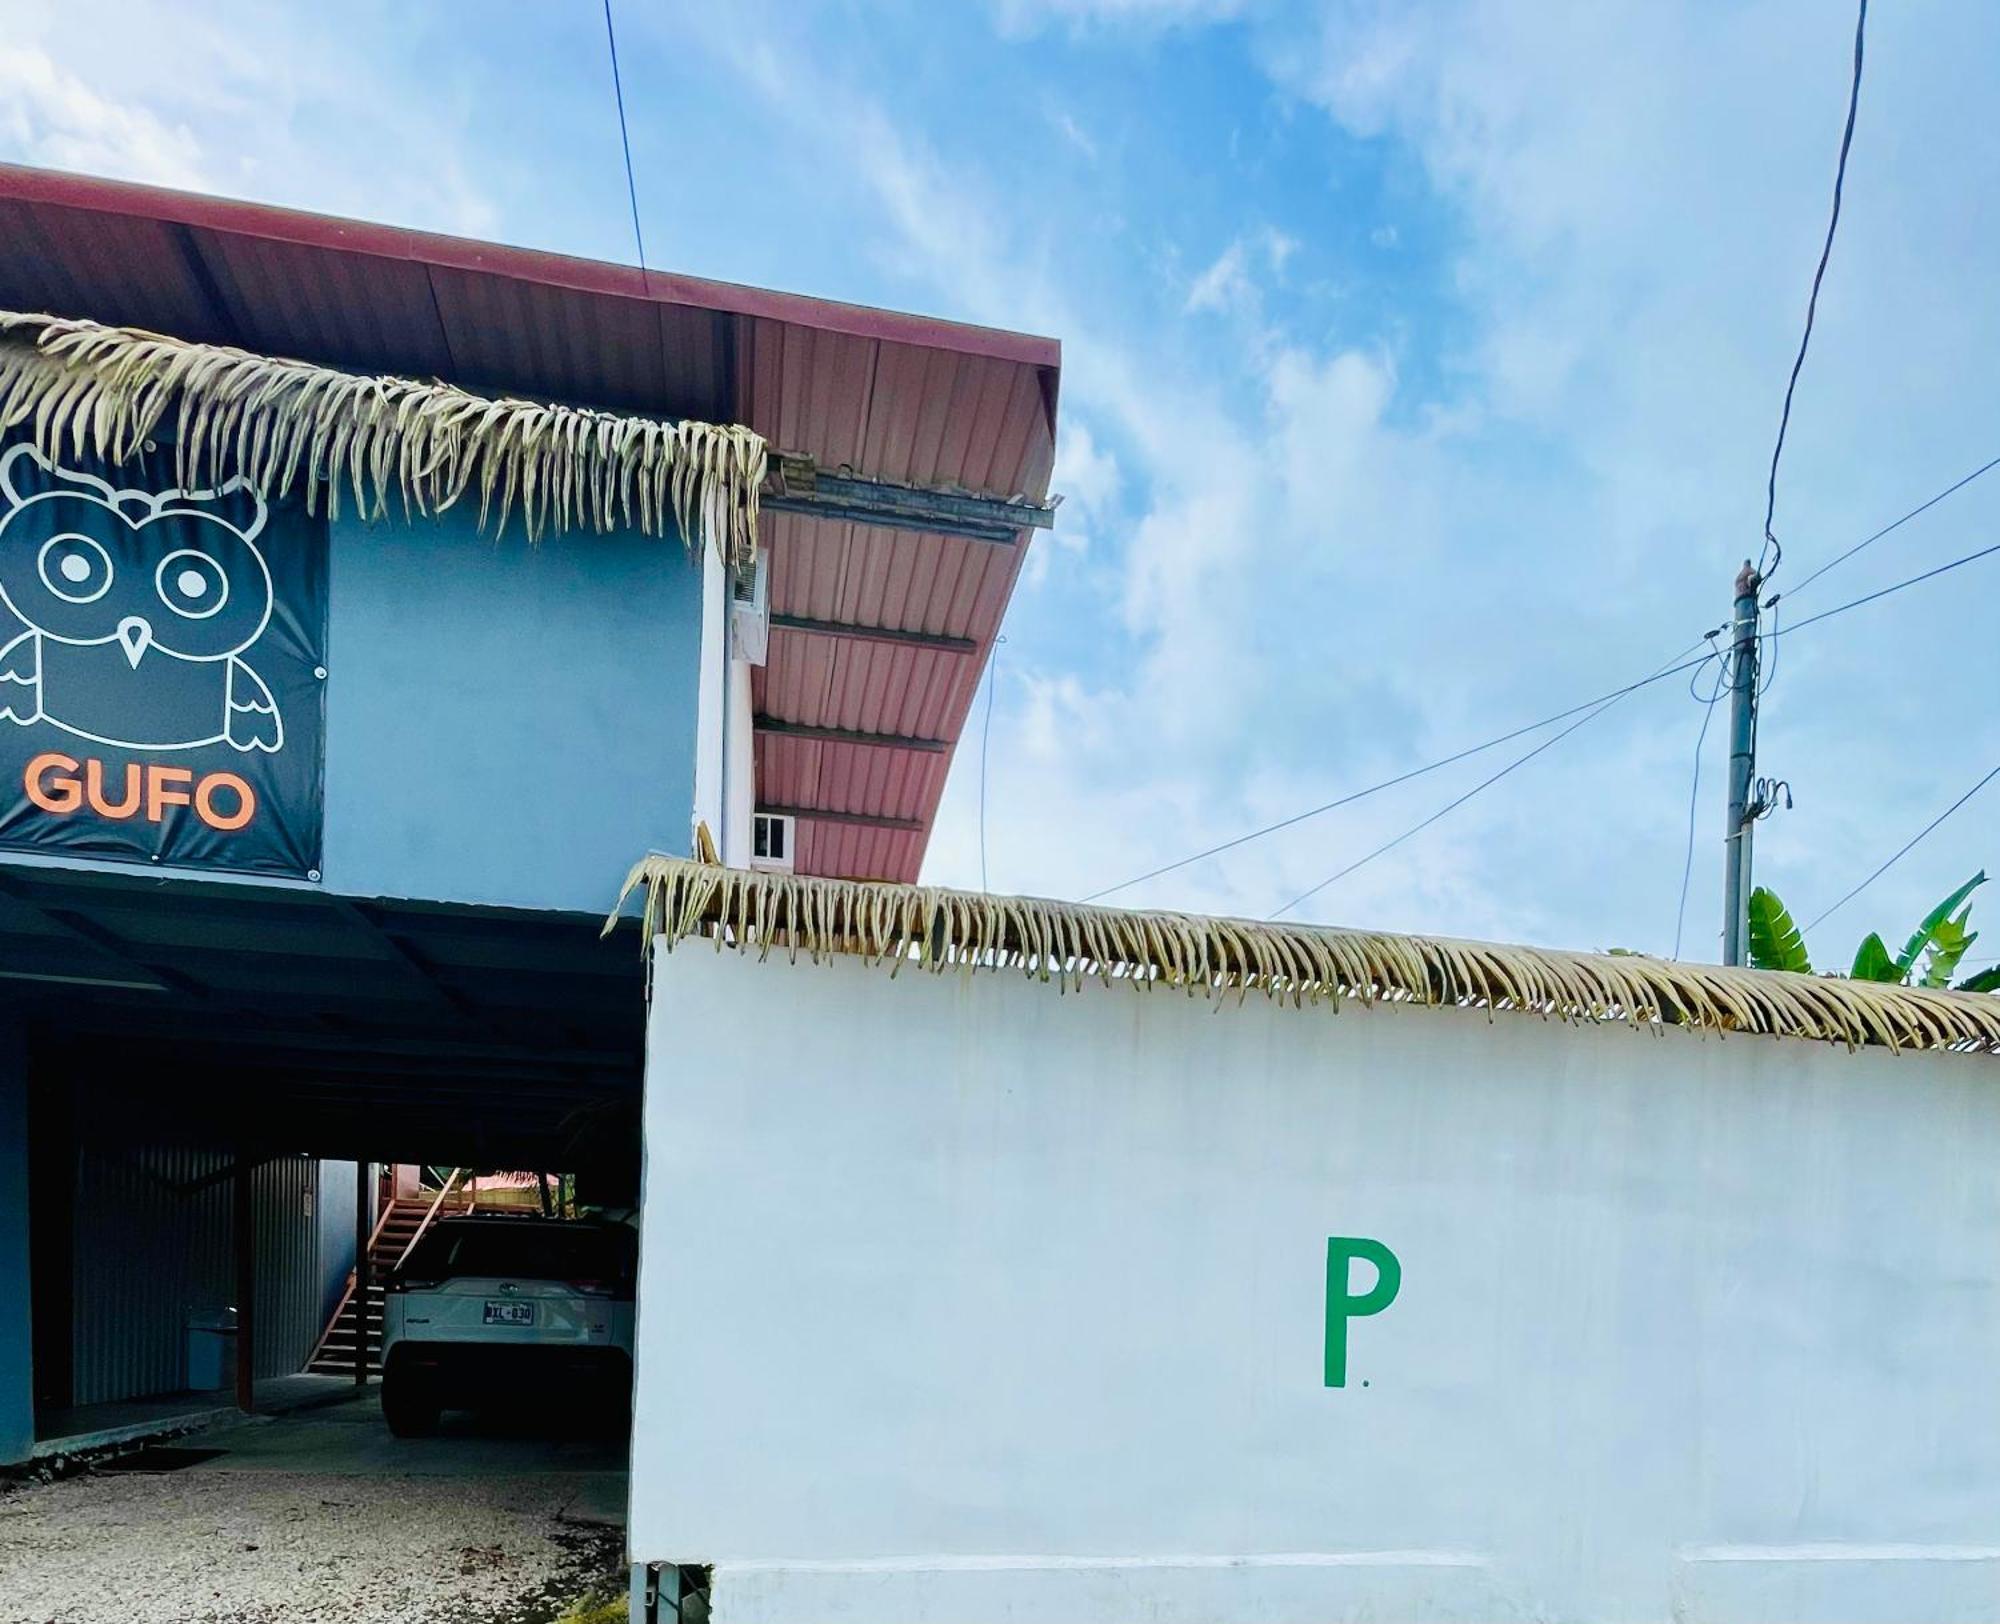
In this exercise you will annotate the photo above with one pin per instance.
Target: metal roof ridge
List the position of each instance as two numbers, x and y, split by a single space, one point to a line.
338 234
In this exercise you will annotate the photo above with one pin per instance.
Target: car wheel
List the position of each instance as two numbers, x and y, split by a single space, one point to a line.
409 1404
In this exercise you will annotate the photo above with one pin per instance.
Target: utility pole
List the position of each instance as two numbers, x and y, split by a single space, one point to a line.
1738 824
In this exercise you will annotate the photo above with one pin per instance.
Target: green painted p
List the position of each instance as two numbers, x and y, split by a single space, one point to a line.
1341 1303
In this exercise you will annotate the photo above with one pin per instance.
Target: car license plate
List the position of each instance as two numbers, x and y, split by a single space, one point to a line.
510 1313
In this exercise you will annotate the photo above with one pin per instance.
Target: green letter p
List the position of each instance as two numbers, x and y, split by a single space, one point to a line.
1343 1305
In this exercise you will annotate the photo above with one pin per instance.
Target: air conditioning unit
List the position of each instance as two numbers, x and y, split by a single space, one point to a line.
771 836
750 610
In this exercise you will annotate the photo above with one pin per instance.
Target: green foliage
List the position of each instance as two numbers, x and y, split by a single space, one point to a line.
1921 938
1929 958
1872 961
1775 940
1948 946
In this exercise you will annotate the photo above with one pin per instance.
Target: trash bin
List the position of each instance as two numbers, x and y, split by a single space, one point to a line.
211 1351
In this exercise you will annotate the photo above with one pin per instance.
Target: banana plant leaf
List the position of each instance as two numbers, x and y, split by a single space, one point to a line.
1948 947
1775 939
1927 931
1872 961
1988 980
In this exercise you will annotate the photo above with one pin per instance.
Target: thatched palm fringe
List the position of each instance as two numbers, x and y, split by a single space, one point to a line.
285 424
1069 943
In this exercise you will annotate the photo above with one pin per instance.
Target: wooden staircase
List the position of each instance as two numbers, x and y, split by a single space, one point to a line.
403 1219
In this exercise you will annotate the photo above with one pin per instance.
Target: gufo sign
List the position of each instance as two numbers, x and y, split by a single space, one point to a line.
161 669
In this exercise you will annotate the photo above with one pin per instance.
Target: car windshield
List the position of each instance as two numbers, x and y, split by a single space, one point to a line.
528 1250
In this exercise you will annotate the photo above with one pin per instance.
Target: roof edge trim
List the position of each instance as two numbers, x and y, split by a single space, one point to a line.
277 424
931 928
337 234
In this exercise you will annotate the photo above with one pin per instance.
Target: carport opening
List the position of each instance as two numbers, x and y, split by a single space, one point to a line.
208 1067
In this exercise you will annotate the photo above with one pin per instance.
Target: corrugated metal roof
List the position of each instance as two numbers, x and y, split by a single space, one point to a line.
877 393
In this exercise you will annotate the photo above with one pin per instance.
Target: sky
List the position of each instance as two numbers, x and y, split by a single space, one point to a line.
1421 369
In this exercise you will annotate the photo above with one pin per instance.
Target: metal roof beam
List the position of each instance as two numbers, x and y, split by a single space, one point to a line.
800 485
398 952
858 820
75 927
874 634
840 735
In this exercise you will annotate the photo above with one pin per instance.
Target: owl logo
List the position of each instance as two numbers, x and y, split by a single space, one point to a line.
139 606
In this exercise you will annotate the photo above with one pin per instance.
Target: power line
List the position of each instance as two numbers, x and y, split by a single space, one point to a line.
1694 795
1400 778
1597 709
1906 849
1771 547
1549 721
1765 637
625 138
1594 709
1914 580
1869 541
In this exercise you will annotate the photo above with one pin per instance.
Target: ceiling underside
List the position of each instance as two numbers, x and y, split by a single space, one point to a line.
874 393
289 1020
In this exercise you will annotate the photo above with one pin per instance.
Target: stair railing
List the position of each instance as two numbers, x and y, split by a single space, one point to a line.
429 1217
347 1294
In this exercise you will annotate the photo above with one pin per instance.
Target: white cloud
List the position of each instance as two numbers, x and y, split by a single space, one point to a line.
1087 479
1229 283
1025 16
231 98
1074 133
1225 284
53 118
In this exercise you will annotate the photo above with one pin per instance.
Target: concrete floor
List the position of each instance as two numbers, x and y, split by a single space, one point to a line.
324 1515
350 1440
131 1421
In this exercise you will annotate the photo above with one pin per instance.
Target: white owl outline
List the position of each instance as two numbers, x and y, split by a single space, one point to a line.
245 693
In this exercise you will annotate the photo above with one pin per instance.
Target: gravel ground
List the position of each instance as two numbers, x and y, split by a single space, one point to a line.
276 1547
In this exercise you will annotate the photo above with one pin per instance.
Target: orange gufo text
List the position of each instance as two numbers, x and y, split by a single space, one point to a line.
61 784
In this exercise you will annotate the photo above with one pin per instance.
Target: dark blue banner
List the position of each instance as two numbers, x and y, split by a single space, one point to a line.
162 668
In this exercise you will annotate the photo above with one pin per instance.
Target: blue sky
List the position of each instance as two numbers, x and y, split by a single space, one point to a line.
1421 367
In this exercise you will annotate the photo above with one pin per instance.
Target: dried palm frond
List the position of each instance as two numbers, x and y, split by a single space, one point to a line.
283 425
1068 943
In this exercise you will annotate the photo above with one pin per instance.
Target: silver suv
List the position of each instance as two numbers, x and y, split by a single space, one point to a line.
493 1310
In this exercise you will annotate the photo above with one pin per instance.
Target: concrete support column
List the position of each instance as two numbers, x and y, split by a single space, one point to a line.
364 1229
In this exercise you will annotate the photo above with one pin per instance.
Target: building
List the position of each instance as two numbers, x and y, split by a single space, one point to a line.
310 863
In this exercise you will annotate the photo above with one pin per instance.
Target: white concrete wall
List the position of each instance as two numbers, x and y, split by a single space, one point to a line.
965 1301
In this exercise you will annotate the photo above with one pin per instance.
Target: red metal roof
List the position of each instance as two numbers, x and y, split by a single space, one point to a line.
881 394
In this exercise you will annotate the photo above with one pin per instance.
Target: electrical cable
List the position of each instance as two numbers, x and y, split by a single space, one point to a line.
1914 580
1694 792
1869 541
1400 778
1772 550
1522 760
1906 849
1532 727
1772 637
625 138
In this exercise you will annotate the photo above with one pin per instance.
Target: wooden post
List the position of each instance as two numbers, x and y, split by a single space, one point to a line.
245 1234
364 1227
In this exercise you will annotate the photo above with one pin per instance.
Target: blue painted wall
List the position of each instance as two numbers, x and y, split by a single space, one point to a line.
17 1387
506 724
336 1233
